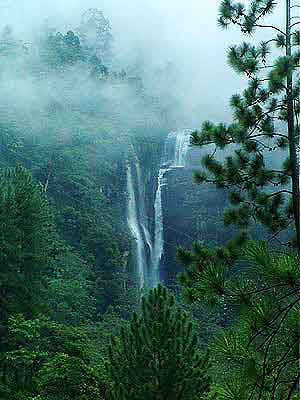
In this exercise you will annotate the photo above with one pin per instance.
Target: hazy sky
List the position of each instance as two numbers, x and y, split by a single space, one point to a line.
182 32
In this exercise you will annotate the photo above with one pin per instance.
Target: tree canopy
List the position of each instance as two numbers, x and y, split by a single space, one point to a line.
157 355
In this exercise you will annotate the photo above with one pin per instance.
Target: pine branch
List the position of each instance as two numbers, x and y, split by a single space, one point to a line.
294 24
267 289
259 120
270 340
266 66
278 233
257 101
285 310
274 367
271 27
281 191
293 388
276 383
274 319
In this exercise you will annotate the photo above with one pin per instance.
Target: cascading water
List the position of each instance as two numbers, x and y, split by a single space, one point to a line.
181 148
176 148
144 222
150 239
175 156
134 227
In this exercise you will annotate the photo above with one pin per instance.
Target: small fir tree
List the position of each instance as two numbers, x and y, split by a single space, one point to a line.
158 356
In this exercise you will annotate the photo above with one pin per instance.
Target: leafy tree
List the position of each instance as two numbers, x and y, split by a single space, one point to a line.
95 33
261 169
68 378
99 70
32 342
158 356
61 50
71 275
26 242
257 355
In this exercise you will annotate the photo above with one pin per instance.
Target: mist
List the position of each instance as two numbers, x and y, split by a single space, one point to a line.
155 35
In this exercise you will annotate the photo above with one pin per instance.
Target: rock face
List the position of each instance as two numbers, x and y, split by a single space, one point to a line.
184 212
190 212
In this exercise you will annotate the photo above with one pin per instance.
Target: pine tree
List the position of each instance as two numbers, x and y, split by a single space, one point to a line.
158 356
257 355
265 126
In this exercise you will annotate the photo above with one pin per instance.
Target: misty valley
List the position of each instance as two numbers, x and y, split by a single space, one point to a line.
150 200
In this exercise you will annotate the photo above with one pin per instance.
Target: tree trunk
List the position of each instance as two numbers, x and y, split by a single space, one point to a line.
291 129
48 176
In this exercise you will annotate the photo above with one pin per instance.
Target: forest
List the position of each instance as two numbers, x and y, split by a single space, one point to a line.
141 259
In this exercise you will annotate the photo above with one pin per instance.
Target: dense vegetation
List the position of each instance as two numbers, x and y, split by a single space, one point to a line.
72 323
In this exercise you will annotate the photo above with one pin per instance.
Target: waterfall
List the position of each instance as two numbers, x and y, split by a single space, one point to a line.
150 239
144 222
134 227
175 155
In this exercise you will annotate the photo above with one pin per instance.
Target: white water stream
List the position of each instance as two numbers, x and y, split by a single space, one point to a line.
134 226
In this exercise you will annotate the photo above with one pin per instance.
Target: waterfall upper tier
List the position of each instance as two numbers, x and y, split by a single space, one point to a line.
176 149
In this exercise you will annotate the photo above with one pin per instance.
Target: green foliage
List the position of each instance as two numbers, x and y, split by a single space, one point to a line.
95 32
68 378
26 242
33 280
71 275
62 50
258 352
31 342
157 356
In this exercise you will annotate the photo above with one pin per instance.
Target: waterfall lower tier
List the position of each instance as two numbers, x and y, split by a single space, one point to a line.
138 222
144 220
134 227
